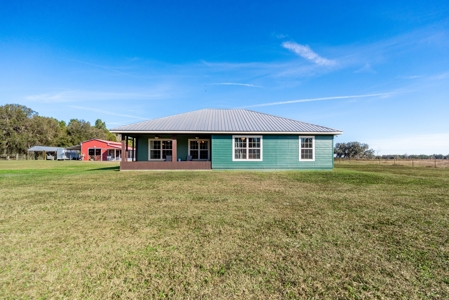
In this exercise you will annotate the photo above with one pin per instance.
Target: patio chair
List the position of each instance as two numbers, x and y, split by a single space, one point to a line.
189 158
168 158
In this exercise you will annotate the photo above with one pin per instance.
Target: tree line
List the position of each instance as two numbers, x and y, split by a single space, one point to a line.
22 128
361 150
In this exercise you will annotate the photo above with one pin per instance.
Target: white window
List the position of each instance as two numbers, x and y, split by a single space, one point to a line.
307 148
159 149
199 149
246 148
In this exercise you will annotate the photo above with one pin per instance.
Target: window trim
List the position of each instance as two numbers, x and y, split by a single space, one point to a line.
247 136
149 149
313 147
208 149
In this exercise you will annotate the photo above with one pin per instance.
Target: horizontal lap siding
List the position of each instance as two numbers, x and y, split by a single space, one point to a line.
279 152
183 144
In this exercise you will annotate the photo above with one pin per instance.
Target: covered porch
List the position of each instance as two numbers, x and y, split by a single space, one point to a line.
167 152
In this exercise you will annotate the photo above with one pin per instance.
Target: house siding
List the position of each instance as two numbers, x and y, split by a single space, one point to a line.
279 152
142 148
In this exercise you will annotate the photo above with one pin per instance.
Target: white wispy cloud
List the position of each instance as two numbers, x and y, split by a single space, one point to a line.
105 112
410 77
307 53
279 35
238 84
365 69
265 70
48 98
322 99
440 76
71 96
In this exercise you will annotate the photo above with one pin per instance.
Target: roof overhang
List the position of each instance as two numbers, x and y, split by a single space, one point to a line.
44 148
77 147
226 132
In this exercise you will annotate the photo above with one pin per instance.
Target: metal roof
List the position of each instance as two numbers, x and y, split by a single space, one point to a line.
76 147
224 121
44 148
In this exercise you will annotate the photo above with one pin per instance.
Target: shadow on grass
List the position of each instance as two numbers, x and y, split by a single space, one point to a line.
114 168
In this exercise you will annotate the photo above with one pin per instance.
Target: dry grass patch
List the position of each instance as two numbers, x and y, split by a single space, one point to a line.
85 230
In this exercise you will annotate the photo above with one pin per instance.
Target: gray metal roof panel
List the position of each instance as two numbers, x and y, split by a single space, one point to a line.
224 120
44 148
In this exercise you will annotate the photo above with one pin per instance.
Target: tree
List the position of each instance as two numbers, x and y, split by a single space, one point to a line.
99 124
43 131
353 150
80 130
111 137
22 128
15 121
63 138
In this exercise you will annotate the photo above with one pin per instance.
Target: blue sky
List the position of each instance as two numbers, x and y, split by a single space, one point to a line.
377 70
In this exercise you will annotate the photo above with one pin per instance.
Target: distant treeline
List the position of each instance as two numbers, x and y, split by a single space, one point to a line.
22 128
419 156
361 150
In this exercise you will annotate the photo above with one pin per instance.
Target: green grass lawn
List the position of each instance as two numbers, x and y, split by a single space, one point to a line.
87 231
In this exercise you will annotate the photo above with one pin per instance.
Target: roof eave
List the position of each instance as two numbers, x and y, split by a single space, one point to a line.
226 132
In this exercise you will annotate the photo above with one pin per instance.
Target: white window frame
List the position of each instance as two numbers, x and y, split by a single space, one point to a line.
149 149
208 149
247 148
313 147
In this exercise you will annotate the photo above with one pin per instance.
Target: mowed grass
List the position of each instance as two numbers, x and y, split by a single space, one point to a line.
87 231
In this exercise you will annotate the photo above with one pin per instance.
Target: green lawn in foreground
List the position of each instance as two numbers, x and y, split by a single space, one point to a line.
84 230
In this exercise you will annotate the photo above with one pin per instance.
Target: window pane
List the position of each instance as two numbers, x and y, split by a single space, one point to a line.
155 154
240 154
240 142
306 154
155 144
254 154
91 152
193 145
204 154
97 151
204 145
306 143
165 153
194 154
166 144
253 142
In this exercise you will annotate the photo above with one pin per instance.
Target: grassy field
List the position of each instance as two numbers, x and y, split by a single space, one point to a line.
84 230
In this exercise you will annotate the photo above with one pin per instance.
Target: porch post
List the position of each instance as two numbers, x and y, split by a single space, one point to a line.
133 149
124 154
174 148
127 148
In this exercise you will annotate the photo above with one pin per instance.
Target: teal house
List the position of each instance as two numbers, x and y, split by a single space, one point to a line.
227 139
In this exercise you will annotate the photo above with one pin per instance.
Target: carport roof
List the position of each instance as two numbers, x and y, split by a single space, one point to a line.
44 148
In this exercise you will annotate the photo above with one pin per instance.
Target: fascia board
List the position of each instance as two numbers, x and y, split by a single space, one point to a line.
227 132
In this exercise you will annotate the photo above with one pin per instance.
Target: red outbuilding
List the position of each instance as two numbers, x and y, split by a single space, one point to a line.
101 150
